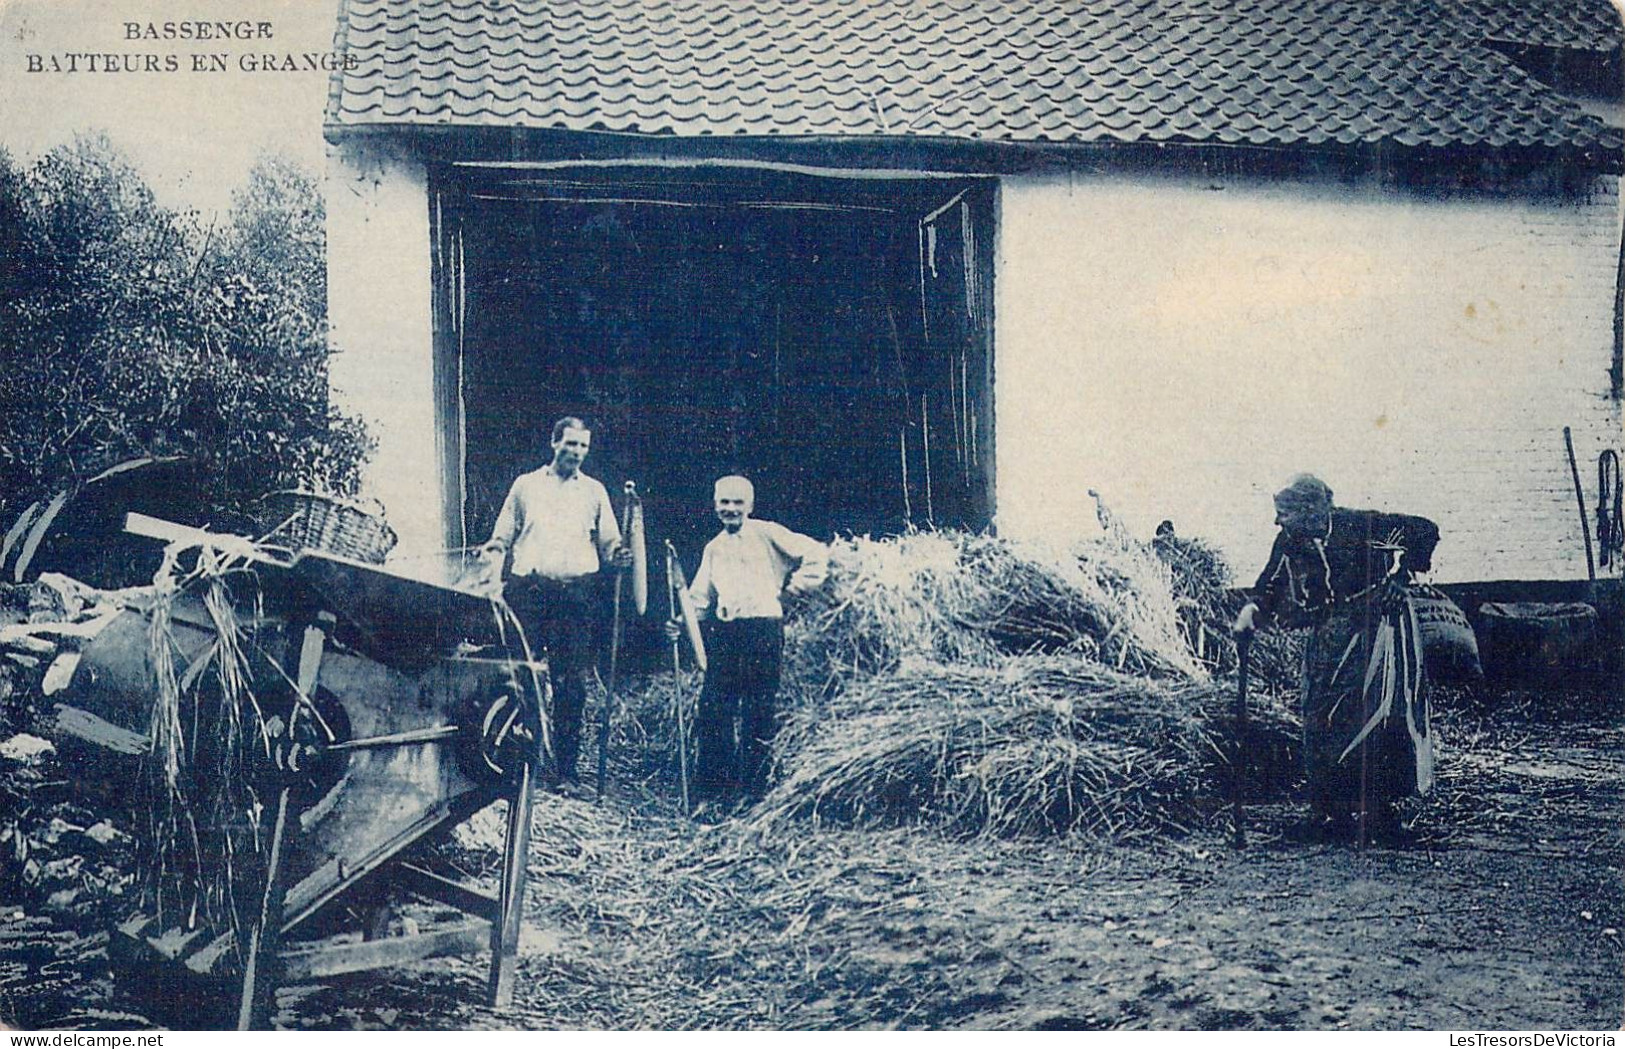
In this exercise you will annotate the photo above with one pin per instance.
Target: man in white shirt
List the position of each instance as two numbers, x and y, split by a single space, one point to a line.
745 575
555 532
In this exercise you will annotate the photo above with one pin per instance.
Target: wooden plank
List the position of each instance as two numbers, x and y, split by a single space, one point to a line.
127 945
331 959
170 532
515 861
338 874
131 943
464 897
72 721
134 925
28 634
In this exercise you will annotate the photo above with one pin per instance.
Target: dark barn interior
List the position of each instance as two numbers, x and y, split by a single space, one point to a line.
830 338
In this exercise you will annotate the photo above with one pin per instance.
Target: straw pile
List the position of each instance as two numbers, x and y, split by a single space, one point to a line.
960 598
1207 602
1037 744
988 687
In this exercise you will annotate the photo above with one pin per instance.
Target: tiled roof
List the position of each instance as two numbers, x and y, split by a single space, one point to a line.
1579 25
1260 72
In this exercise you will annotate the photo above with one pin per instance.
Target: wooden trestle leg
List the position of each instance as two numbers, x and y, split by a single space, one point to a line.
516 855
265 937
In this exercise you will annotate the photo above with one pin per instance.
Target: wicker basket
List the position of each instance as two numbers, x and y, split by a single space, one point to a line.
307 521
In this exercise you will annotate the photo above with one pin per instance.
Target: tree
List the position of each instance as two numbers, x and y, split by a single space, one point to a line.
127 329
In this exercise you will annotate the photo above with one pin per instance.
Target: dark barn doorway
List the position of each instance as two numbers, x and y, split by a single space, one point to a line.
828 337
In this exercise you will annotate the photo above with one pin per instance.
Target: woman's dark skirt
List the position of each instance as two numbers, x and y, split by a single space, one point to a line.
1366 718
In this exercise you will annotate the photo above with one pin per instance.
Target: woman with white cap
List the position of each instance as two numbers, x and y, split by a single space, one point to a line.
1367 729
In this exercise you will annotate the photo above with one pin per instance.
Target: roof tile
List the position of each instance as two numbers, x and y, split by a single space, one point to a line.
1270 72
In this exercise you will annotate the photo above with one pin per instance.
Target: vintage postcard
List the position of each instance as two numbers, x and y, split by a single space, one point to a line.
812 515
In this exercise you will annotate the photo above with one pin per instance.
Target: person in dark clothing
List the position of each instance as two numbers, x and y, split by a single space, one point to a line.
1367 726
745 575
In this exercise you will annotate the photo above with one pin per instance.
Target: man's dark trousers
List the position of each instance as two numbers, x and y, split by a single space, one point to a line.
557 617
741 681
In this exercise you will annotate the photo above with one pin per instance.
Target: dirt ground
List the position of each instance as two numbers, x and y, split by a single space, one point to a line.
1506 913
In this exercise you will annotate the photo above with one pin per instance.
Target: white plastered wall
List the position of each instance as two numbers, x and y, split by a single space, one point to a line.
380 310
1184 346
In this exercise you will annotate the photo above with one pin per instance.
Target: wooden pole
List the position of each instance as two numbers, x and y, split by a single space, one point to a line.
1244 648
1579 497
609 686
676 676
614 649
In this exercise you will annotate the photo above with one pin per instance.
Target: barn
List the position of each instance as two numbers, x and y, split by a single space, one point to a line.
962 262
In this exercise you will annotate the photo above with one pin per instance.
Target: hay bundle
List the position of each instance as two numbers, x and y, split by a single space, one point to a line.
1207 601
965 599
1107 600
1038 744
887 600
1202 592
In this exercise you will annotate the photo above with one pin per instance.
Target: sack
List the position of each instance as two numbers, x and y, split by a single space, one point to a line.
1529 639
1449 646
